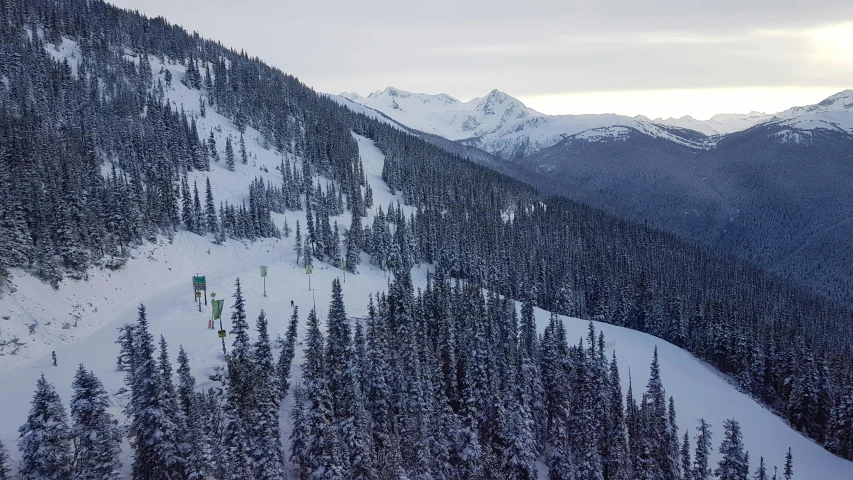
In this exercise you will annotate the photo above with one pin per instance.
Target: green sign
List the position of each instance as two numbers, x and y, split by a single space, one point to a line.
309 269
222 334
263 270
343 265
199 282
217 308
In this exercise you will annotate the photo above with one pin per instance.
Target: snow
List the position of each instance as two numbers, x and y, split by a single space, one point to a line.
80 320
700 391
498 123
349 100
503 125
720 124
68 49
834 113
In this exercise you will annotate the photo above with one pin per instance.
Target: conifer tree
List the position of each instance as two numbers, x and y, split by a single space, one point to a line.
733 464
243 156
156 453
229 154
264 427
285 358
95 435
187 214
211 146
788 472
299 435
701 459
198 222
189 403
761 471
44 440
297 243
5 468
210 209
686 463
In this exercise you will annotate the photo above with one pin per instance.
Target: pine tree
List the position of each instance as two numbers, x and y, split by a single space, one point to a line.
701 458
156 453
229 154
288 350
733 464
44 438
211 146
243 156
353 235
195 447
299 435
761 472
5 468
788 472
264 427
297 243
95 434
686 464
210 209
239 328
198 221
187 214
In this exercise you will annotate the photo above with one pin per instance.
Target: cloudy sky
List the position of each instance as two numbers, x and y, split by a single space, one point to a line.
658 58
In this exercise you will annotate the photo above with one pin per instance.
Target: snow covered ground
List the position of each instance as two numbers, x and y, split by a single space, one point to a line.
498 123
80 320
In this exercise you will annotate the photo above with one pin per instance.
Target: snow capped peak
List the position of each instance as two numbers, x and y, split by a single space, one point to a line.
842 100
499 103
832 113
352 96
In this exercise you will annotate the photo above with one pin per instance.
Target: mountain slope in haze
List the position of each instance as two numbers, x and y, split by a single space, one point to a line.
772 189
500 124
719 124
777 195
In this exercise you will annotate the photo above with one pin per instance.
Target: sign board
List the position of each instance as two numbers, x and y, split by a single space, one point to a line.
222 334
309 269
198 294
199 282
344 265
263 270
217 308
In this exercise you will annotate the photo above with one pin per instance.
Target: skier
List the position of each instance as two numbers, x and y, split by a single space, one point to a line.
53 355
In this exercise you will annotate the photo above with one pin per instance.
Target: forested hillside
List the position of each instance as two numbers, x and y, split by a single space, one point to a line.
92 162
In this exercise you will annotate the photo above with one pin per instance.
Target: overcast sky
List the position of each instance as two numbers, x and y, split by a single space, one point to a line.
658 58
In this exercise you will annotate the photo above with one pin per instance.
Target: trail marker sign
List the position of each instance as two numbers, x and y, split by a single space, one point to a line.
199 285
217 308
263 271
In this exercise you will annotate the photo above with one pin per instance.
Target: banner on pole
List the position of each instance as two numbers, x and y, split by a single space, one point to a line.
343 265
263 270
217 308
309 269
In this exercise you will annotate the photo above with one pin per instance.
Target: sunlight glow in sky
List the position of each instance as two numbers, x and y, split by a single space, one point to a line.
664 58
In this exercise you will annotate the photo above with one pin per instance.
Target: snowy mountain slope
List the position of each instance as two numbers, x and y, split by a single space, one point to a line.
719 124
499 123
698 389
504 126
833 113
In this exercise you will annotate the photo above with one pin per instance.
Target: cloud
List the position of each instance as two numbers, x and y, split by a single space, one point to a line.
545 47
